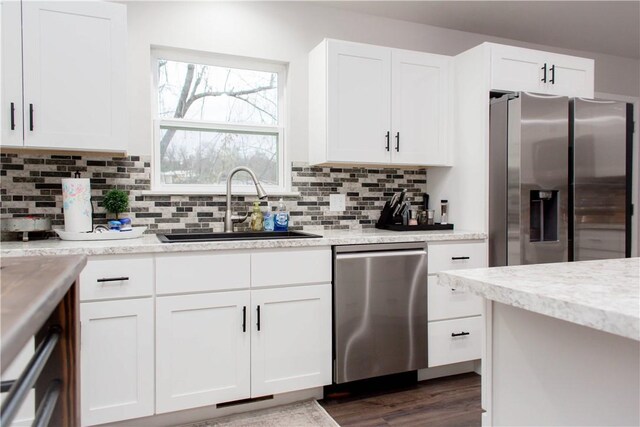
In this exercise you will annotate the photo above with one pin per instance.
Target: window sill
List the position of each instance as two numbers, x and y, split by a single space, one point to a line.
215 193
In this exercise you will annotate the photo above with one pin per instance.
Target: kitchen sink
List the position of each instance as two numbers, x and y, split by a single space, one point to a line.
249 235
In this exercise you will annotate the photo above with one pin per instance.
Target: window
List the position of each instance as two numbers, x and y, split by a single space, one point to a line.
214 113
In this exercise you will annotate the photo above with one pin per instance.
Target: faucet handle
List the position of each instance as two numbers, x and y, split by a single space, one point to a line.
239 218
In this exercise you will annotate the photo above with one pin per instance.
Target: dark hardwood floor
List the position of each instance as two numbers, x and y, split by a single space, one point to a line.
449 401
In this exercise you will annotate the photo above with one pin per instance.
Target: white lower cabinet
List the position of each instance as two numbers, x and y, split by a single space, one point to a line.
225 346
291 339
116 354
456 340
202 349
455 326
153 342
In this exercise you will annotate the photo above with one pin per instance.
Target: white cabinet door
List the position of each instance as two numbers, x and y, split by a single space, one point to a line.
359 102
202 349
420 108
11 74
570 76
290 339
74 60
528 70
116 354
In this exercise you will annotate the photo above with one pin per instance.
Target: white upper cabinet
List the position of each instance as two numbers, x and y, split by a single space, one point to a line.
73 76
420 108
519 69
377 105
359 96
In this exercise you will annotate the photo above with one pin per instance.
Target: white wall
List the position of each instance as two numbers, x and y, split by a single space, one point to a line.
286 31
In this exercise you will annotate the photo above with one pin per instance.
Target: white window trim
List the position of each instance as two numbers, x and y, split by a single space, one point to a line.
184 55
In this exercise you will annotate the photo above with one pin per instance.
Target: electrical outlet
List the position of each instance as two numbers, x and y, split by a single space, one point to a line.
337 202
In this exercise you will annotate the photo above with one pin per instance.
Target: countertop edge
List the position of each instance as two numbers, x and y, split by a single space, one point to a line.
578 313
135 247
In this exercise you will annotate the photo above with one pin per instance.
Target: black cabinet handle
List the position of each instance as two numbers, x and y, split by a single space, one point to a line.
31 117
112 279
398 141
258 324
461 334
244 319
552 80
544 75
454 258
387 137
13 116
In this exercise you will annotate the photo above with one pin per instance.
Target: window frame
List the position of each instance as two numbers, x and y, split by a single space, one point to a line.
219 60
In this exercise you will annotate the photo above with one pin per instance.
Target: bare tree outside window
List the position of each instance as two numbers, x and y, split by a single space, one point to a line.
214 118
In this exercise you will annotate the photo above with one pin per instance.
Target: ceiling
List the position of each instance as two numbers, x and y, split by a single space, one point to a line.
611 27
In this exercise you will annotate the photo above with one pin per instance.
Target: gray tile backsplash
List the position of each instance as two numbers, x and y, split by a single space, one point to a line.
30 184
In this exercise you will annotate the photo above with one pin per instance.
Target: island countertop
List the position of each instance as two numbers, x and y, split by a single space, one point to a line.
31 289
603 294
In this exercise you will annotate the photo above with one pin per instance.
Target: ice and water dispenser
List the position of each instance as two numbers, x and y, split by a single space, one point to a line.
544 213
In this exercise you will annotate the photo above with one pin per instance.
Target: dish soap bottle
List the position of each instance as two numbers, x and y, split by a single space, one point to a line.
268 219
256 217
281 222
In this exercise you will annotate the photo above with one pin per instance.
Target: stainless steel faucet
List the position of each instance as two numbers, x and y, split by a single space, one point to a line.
229 218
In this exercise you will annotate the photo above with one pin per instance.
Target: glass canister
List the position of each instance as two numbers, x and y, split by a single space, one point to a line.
444 211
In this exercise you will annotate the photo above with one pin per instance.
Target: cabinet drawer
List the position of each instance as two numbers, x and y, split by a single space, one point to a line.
107 277
447 303
290 267
456 256
201 271
445 348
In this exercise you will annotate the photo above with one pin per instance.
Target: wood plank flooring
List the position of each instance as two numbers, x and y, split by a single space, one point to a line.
450 401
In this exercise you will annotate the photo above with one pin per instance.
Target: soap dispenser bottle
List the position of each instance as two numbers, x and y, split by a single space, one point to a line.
256 217
281 220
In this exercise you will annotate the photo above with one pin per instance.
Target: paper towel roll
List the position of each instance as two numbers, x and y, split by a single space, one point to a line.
76 201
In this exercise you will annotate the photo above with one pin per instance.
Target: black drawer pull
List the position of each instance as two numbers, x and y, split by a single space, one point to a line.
31 117
258 324
113 279
461 334
387 137
455 258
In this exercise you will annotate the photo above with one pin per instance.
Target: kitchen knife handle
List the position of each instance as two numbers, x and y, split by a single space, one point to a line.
461 334
258 324
387 140
398 141
544 71
552 80
13 116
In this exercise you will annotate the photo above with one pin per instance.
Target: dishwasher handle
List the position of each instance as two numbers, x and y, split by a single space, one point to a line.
360 255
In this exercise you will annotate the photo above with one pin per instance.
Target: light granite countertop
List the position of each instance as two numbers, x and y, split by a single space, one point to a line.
151 244
603 294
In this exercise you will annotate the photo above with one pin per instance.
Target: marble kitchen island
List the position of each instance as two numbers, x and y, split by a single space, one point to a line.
562 342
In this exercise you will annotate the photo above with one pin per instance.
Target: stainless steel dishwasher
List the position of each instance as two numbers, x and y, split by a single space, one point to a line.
380 309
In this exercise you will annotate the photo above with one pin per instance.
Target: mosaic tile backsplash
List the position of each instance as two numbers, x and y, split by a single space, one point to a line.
30 184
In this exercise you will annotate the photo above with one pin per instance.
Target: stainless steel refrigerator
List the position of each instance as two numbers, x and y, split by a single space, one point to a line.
559 180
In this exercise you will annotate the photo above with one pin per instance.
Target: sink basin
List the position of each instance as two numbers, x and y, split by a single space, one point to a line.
249 235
